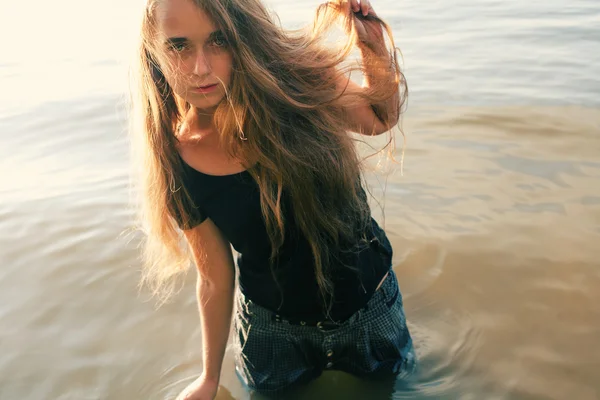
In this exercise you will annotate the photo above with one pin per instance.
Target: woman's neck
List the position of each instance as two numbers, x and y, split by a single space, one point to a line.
196 126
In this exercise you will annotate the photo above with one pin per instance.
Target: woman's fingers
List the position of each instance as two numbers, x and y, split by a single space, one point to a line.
364 6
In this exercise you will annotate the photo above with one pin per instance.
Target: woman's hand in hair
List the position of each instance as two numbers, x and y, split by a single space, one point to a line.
200 389
368 28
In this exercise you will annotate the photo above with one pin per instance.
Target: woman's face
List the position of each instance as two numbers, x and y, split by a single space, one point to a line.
196 60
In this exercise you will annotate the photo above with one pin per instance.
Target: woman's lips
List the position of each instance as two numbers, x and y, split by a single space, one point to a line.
205 89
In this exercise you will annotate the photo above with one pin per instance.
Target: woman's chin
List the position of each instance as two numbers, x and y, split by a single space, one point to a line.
208 103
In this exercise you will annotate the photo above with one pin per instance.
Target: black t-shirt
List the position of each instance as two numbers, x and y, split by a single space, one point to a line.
290 289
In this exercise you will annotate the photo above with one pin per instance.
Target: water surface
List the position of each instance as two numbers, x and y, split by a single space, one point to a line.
495 221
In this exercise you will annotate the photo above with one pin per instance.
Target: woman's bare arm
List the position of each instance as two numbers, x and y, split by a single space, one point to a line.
363 117
379 72
215 291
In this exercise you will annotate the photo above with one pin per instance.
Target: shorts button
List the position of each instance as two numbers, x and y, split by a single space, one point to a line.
329 364
329 353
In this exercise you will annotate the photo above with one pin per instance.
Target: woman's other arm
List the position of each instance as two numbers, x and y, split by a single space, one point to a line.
215 292
366 118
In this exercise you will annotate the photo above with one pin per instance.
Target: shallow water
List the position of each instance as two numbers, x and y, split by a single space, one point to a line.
495 221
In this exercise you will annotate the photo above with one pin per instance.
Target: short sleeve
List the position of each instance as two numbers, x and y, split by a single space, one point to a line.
187 215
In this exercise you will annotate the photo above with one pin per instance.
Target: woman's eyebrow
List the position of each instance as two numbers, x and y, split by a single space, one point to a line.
175 40
180 40
215 34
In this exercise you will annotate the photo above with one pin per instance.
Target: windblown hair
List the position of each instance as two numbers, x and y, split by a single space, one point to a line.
283 98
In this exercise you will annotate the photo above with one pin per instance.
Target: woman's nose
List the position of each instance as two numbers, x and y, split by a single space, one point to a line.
201 64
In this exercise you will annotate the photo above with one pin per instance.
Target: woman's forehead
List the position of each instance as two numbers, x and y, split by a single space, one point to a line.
182 18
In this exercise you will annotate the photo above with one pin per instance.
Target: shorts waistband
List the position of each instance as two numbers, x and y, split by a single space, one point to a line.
251 308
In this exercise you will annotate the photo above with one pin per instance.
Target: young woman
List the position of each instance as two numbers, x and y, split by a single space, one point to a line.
242 139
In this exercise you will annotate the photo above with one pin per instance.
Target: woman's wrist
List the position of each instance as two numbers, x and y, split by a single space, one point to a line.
211 377
380 72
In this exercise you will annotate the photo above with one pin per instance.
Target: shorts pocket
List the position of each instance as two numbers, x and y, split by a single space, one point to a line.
384 340
253 351
268 359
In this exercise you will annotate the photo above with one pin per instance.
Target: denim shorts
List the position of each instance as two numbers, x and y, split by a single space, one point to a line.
273 355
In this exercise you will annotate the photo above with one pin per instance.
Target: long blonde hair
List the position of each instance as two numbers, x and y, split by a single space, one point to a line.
283 98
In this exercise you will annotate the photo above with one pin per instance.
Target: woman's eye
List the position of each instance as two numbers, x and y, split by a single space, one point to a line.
219 41
178 47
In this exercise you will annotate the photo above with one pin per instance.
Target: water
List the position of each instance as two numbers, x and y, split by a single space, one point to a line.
495 222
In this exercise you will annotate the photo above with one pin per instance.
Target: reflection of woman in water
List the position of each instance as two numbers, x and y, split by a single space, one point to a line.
241 128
